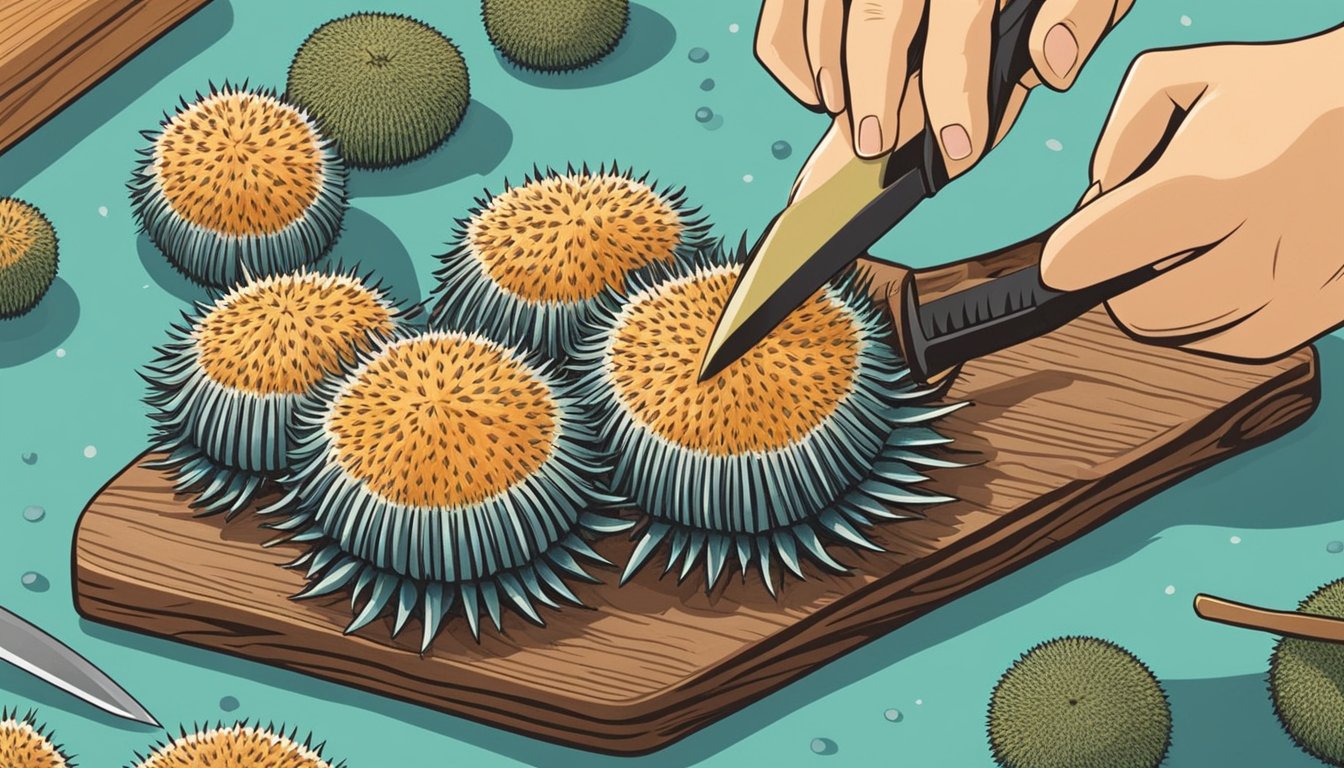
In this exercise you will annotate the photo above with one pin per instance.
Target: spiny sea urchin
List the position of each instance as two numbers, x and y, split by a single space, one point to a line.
812 431
1079 702
241 745
1306 682
443 466
224 388
25 744
239 183
27 257
531 264
555 35
386 87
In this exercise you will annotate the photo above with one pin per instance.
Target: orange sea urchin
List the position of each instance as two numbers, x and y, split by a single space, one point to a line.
239 183
531 264
24 744
238 746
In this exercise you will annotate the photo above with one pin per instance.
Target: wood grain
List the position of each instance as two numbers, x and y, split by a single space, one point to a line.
52 51
1068 430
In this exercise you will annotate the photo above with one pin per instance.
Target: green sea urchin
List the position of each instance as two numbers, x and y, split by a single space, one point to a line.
531 264
1306 682
25 744
386 87
1079 702
225 386
240 745
28 254
555 35
239 183
812 431
443 466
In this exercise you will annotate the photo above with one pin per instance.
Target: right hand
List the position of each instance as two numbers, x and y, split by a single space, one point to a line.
1245 205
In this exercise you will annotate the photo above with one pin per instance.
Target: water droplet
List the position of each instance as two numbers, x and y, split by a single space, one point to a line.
60 352
35 582
704 114
748 178
707 84
1170 590
919 702
1185 21
102 211
1053 145
90 451
29 458
824 747
34 513
733 28
228 703
1235 539
893 715
1335 547
698 55
781 149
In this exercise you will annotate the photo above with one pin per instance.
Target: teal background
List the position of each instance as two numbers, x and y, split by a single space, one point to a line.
67 378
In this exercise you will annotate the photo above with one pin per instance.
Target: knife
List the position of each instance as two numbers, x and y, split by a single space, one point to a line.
821 234
43 656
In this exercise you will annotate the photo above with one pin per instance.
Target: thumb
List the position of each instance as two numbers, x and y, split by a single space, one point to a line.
1145 221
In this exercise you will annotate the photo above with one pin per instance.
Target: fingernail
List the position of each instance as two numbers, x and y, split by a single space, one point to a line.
956 142
1061 50
869 141
826 89
1090 194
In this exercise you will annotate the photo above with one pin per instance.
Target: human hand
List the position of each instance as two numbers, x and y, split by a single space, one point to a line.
1245 205
855 65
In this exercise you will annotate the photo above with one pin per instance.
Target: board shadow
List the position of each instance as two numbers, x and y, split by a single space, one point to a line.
135 77
648 39
476 149
48 324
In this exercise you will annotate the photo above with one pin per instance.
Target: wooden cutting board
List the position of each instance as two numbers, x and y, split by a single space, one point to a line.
1069 430
51 51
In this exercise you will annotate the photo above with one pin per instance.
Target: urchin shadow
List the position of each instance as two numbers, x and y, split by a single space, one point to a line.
162 272
370 247
1228 721
48 324
648 38
477 148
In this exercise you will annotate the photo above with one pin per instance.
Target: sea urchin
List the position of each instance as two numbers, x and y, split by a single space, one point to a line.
1079 702
442 466
224 388
555 35
238 746
239 183
387 88
27 257
25 744
532 263
1306 682
812 431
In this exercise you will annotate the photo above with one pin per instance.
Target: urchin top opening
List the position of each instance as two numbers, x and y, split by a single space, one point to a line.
239 163
769 399
280 335
443 421
568 237
18 225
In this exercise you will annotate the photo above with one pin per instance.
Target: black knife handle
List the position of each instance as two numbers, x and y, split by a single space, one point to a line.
1010 60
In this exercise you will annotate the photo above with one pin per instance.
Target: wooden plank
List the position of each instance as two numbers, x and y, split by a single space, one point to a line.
52 51
1071 429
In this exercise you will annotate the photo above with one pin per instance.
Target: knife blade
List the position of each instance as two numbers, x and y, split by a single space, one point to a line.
43 656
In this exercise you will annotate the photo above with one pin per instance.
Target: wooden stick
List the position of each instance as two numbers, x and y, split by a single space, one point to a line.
1291 623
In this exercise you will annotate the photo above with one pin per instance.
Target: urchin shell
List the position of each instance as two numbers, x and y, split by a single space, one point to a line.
223 390
28 255
239 183
815 431
26 744
1079 702
531 264
1306 682
386 87
443 468
241 744
555 35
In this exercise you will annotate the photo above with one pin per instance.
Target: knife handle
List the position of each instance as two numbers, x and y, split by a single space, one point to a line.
1010 60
